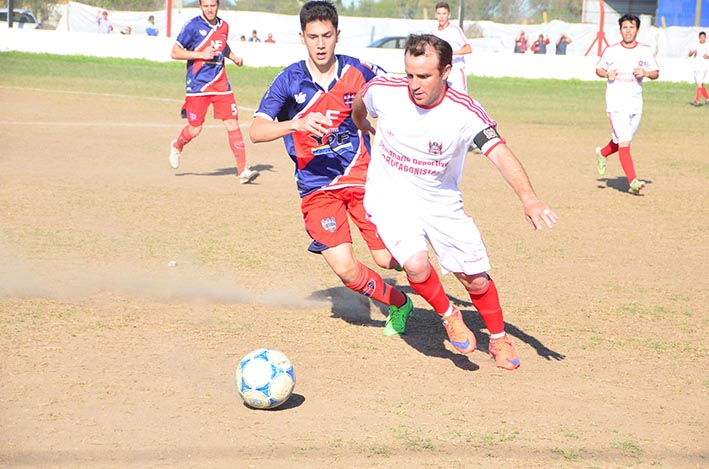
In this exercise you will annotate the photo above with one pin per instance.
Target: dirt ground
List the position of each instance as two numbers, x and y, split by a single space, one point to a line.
112 358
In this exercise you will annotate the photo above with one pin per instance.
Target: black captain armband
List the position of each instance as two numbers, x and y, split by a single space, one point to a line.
485 137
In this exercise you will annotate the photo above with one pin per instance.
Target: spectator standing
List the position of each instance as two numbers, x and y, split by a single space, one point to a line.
562 43
150 28
412 194
202 43
521 43
309 105
454 36
700 57
540 45
104 24
624 66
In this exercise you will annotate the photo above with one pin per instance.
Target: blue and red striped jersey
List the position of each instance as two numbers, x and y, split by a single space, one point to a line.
340 158
206 76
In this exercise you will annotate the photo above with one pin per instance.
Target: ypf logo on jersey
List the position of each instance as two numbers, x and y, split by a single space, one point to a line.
329 224
435 148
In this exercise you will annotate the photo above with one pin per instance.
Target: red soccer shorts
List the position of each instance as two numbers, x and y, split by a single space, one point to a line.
195 108
325 213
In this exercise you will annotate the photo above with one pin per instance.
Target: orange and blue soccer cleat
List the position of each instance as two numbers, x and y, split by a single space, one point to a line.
504 353
462 339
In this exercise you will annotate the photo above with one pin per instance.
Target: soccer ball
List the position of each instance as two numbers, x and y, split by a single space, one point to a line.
265 378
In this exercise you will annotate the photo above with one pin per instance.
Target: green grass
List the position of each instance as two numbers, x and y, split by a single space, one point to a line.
535 101
133 77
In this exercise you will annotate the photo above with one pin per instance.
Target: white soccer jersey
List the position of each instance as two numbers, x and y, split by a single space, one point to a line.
700 64
418 153
454 36
625 93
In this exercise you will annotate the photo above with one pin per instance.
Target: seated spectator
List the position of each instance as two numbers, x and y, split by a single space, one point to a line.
269 39
150 28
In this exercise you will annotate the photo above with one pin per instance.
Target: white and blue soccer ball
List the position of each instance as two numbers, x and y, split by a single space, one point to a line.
265 378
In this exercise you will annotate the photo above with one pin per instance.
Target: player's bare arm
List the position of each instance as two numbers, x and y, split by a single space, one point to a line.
641 73
180 53
537 212
239 61
466 49
265 130
607 74
359 116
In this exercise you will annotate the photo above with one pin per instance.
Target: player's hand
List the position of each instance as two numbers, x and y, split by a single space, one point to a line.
611 74
639 73
314 123
539 214
239 61
208 54
367 127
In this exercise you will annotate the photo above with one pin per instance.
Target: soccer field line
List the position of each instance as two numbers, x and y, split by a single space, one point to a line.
107 95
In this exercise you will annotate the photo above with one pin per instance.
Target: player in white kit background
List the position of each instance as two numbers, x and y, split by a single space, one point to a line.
625 65
454 36
700 64
424 129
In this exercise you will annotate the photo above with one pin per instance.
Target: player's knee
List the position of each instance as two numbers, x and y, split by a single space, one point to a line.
195 130
418 267
475 284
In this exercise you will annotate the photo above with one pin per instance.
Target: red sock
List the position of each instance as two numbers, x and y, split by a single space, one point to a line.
626 161
184 138
488 305
704 93
369 283
698 95
236 143
609 149
432 291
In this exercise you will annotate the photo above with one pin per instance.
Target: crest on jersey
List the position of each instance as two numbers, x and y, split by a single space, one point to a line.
299 98
348 99
329 224
435 148
202 32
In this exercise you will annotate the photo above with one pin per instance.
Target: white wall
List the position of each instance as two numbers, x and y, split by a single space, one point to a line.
492 64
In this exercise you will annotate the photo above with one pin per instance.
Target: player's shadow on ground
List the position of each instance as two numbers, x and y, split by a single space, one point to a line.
424 331
231 171
619 183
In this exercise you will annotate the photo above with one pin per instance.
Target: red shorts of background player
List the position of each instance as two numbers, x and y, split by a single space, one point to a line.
325 213
195 108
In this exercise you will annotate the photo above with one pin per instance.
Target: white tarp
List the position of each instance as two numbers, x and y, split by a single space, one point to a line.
359 32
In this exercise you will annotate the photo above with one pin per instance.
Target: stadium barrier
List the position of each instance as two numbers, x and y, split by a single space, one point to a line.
479 63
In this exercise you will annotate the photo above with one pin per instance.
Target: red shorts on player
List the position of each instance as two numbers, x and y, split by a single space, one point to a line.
195 108
326 218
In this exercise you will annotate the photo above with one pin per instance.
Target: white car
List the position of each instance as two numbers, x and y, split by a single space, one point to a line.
23 19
